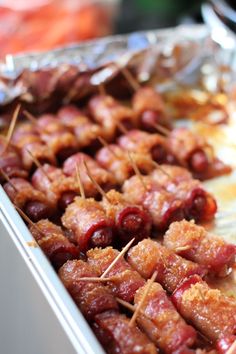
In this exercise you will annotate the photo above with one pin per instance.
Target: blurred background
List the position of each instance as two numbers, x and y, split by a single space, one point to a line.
45 24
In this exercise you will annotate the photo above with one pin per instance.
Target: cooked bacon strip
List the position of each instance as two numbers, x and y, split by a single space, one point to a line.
198 203
91 297
159 319
196 154
87 219
59 139
146 143
117 336
162 205
130 220
103 178
149 256
10 161
26 197
106 111
195 243
54 243
26 138
127 280
58 188
86 132
150 108
210 311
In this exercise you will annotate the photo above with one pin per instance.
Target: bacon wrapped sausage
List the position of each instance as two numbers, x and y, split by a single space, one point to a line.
10 161
198 203
196 154
86 132
91 297
127 281
159 319
149 256
103 178
54 243
146 143
58 138
26 197
29 140
58 188
150 108
117 336
130 220
210 311
89 223
115 160
195 243
106 111
162 205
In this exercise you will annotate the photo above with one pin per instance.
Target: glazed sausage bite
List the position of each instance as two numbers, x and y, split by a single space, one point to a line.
54 243
129 219
127 280
210 311
159 319
107 111
89 223
117 336
33 202
195 243
150 108
149 256
91 297
104 178
162 205
58 188
153 144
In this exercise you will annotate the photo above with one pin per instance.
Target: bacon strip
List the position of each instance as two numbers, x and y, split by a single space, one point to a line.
196 244
115 159
117 336
59 189
86 132
150 108
153 144
88 221
106 111
210 311
127 280
104 178
162 205
33 202
196 154
91 297
130 219
161 322
149 256
10 161
54 243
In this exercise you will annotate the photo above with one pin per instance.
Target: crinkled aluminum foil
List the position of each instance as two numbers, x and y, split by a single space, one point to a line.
172 56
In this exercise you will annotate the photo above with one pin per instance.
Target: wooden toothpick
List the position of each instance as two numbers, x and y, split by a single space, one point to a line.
140 304
38 164
8 180
124 250
136 170
126 304
27 219
97 279
105 144
97 186
122 128
232 349
81 187
12 126
130 78
30 116
162 129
